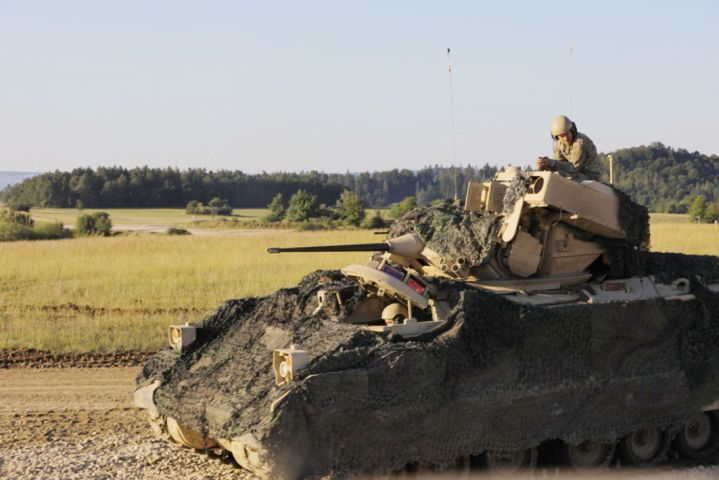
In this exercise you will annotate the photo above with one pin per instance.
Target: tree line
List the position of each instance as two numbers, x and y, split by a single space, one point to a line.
118 187
662 178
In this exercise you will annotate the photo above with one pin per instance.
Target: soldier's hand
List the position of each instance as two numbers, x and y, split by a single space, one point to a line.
542 163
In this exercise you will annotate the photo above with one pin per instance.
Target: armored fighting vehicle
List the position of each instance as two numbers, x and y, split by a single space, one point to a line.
529 320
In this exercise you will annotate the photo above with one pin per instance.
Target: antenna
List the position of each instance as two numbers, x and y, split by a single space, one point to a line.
451 108
571 55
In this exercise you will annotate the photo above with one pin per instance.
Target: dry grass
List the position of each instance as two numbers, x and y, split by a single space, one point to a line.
674 233
111 294
685 238
668 218
119 293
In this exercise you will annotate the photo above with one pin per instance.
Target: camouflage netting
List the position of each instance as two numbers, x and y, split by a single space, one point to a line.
634 219
668 266
450 231
454 233
502 376
627 257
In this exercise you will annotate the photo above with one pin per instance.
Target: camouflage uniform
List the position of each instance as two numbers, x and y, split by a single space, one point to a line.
578 160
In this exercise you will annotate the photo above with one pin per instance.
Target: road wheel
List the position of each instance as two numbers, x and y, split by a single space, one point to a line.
510 462
187 437
698 439
587 454
646 446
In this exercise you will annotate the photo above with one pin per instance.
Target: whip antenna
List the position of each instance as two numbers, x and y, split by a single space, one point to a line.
571 54
451 109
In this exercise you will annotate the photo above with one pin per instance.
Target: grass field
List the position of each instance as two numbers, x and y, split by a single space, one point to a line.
119 293
668 218
160 217
674 233
685 238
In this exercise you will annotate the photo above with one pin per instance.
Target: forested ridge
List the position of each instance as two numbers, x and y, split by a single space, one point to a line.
666 179
168 187
662 178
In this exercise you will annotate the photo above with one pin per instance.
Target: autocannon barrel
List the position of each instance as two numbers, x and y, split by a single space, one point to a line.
408 246
358 247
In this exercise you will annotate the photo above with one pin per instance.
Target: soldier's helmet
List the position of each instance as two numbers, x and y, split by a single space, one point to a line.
561 125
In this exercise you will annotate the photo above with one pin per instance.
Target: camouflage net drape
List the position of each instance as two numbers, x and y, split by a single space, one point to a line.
504 376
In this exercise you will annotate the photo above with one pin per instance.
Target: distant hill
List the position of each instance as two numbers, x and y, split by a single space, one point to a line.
11 178
666 179
662 178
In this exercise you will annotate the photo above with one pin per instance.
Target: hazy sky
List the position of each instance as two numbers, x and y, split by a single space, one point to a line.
347 85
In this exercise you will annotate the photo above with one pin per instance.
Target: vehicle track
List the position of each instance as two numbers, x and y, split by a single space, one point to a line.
79 423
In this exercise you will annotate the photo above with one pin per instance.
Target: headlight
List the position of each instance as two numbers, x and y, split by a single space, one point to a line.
181 336
286 362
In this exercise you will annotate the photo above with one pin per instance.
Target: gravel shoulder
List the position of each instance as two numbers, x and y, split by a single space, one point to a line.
79 423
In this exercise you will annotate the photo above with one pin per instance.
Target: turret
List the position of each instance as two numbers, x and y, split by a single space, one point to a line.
526 232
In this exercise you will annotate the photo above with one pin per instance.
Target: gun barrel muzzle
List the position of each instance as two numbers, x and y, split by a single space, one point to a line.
362 247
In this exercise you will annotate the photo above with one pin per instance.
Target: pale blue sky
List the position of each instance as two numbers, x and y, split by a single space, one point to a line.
347 85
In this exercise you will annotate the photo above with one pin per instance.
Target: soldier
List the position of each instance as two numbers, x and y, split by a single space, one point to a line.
574 153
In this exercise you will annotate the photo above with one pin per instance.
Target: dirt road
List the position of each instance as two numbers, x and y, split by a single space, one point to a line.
79 423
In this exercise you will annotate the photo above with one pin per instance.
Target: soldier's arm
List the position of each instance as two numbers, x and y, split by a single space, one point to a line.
563 166
576 162
558 164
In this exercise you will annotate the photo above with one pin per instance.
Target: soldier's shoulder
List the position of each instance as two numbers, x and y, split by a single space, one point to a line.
584 139
584 142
